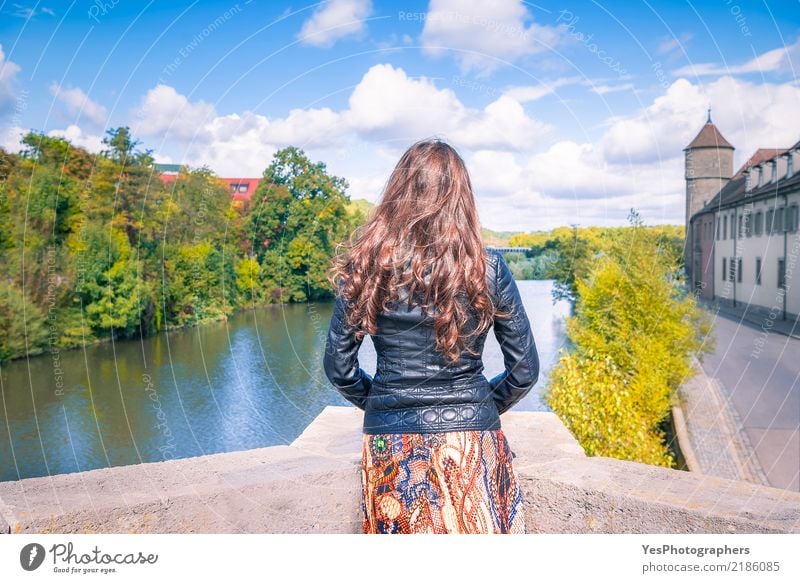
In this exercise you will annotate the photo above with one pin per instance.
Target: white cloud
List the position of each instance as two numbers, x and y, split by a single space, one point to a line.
389 105
335 20
526 93
79 104
10 138
8 75
484 35
77 137
780 60
166 113
244 144
234 144
525 176
569 183
572 170
27 12
674 44
603 89
749 115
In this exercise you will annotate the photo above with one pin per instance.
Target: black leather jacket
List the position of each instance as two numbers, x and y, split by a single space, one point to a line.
414 389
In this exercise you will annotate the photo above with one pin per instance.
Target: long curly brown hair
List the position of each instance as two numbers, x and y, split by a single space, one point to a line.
423 237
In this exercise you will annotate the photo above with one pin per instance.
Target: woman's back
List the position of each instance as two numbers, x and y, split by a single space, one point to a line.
415 388
418 279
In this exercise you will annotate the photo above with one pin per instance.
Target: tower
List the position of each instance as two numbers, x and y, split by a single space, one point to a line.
709 167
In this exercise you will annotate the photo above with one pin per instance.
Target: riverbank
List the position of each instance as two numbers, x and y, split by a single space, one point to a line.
45 351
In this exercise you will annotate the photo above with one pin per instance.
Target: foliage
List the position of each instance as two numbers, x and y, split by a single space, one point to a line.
567 254
102 247
595 400
634 333
300 214
18 334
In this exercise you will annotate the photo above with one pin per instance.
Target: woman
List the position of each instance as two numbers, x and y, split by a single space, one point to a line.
417 278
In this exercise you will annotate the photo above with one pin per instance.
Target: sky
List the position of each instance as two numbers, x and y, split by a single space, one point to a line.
564 112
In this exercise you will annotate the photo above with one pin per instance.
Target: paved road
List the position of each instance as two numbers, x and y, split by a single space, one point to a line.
759 371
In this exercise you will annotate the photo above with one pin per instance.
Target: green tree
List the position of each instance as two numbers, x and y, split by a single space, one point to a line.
22 323
299 214
634 334
109 282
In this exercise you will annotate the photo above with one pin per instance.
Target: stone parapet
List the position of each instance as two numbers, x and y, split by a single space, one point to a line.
313 485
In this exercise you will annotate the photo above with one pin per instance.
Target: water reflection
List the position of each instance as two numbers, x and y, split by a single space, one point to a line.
253 381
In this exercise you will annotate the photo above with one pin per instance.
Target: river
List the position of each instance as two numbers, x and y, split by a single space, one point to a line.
252 381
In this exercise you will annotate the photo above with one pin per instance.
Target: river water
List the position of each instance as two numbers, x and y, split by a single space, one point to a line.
253 381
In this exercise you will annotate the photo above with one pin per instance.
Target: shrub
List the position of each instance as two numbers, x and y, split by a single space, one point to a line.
634 334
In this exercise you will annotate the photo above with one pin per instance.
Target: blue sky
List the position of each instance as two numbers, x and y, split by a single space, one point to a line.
568 112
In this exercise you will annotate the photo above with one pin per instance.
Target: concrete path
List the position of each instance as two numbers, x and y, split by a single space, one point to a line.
756 371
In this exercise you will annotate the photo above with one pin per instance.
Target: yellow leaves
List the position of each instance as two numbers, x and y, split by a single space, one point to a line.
634 332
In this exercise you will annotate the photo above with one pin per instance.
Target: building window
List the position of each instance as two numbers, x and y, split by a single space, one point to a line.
725 227
792 218
739 230
770 221
758 270
748 225
779 223
724 268
758 223
781 273
739 271
732 272
717 229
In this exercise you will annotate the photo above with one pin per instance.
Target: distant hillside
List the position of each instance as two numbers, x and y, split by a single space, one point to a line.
360 204
497 238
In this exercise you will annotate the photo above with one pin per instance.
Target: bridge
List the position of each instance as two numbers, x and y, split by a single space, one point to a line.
520 250
313 485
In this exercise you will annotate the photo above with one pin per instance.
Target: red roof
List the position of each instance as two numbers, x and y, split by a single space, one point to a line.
761 155
242 188
709 137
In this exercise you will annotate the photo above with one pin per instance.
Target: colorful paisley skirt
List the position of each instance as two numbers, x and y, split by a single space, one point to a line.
459 482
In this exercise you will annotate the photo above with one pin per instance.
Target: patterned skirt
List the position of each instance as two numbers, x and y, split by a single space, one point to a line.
459 482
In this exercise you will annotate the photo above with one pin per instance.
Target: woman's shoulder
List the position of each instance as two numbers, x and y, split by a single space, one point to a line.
493 259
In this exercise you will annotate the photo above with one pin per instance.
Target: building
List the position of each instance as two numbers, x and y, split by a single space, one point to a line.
742 239
241 189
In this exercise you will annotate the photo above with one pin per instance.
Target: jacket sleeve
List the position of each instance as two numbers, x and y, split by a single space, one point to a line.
515 337
341 359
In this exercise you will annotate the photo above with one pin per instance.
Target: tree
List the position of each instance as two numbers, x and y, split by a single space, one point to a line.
298 216
109 282
634 334
22 323
120 145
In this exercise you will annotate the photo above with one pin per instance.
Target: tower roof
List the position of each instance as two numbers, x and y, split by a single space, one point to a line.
709 137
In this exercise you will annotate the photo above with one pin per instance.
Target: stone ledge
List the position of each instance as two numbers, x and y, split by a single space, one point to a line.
313 485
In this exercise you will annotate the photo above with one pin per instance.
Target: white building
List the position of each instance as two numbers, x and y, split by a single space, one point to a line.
743 243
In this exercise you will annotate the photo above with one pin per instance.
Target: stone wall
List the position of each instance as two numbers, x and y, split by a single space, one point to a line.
313 485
